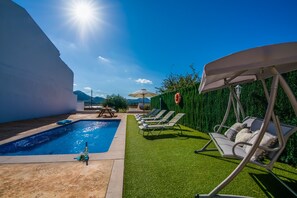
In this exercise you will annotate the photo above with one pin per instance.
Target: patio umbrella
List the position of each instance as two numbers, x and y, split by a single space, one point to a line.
142 93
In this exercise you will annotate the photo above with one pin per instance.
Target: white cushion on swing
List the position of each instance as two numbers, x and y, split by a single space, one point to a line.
233 130
267 140
243 135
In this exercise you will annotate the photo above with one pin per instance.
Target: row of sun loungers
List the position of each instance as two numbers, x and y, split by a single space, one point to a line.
155 121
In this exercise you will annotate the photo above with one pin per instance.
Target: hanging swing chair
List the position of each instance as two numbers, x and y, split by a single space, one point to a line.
243 67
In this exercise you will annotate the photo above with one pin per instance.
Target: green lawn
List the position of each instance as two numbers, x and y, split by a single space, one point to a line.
166 166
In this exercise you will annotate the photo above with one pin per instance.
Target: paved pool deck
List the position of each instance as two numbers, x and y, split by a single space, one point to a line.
61 175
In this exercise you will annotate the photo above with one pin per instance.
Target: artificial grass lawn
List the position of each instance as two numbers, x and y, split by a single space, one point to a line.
166 166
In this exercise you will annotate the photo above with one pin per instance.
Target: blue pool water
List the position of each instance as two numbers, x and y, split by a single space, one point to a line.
67 139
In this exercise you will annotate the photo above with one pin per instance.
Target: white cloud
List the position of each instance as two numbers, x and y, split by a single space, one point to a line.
101 95
74 84
103 60
87 88
64 44
143 81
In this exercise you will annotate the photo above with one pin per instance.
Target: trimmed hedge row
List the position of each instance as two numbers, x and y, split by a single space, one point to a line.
204 111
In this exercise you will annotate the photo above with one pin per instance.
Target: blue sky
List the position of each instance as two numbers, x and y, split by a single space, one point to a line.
132 44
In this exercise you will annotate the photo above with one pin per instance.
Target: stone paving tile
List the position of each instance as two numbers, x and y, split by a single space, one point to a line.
69 179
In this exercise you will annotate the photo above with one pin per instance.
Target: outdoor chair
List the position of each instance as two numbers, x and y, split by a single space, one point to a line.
153 112
160 127
165 119
158 116
137 115
242 67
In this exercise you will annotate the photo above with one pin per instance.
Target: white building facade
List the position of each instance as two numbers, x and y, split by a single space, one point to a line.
34 81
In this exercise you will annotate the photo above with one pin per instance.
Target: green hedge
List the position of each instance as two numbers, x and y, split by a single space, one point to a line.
204 111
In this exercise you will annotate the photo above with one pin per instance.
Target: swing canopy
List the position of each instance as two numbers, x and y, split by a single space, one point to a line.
249 65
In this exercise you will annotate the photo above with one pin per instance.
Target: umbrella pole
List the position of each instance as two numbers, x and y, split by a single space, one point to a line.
143 103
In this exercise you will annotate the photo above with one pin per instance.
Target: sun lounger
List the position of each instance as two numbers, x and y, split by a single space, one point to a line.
158 116
152 113
165 119
147 113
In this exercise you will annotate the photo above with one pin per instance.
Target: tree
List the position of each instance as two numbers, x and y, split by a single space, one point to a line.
176 81
116 101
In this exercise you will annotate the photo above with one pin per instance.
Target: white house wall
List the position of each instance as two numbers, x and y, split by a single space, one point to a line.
34 81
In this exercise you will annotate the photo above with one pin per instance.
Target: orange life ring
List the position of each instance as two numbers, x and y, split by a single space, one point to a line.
177 98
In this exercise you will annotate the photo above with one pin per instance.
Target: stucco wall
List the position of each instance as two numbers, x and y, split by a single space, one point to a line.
34 81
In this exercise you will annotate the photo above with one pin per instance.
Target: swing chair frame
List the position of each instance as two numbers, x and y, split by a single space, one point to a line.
243 67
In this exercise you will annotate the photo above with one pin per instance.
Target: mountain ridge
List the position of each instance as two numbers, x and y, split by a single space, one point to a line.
81 96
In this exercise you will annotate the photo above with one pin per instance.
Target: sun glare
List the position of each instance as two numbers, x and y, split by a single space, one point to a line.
83 12
84 15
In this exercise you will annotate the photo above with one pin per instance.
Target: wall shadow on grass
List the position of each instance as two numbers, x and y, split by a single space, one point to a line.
273 188
168 135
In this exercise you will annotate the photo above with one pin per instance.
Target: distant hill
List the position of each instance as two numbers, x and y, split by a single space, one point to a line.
81 96
98 100
138 100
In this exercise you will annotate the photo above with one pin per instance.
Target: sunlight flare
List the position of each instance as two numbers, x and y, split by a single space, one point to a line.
85 16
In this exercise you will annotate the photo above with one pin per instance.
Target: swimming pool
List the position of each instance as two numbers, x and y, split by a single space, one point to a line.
67 139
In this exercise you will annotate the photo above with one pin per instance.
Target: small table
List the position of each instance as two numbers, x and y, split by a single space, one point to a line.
106 110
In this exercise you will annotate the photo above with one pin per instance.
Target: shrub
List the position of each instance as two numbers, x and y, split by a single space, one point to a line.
116 101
